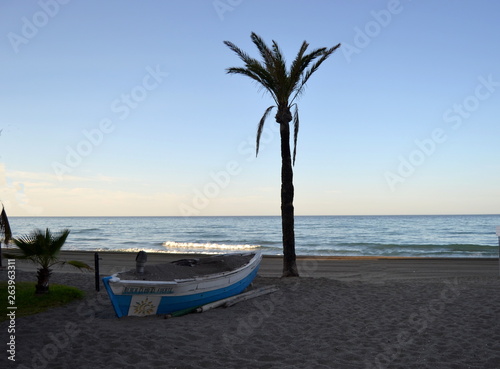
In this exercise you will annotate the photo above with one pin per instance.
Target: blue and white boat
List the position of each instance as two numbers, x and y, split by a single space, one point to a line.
132 297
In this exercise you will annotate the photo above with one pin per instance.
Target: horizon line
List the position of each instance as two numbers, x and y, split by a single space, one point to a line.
228 216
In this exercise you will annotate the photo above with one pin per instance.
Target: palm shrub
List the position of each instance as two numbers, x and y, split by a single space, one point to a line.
42 248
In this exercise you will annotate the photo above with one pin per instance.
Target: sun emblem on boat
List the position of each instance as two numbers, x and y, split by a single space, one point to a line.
144 307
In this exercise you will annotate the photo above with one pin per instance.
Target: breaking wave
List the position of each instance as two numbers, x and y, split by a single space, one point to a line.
205 248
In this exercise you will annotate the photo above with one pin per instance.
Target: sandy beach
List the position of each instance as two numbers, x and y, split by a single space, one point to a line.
341 313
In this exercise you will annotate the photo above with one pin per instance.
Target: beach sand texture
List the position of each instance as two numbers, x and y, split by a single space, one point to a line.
343 313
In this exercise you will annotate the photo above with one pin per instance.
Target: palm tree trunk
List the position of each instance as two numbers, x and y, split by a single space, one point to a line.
42 285
287 191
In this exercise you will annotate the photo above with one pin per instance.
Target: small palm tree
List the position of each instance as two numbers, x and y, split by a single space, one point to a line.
42 248
284 85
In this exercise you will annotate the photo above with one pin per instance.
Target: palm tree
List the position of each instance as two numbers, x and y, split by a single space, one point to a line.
285 86
42 248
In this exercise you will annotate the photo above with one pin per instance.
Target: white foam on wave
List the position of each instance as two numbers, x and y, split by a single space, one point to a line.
205 247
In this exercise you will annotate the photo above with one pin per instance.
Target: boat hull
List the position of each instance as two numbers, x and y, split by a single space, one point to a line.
142 298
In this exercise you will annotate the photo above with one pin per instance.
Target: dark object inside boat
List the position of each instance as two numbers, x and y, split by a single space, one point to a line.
186 262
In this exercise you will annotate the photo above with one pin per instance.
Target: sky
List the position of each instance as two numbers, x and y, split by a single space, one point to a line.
124 108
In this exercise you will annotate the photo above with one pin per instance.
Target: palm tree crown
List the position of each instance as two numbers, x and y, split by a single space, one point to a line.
282 83
42 248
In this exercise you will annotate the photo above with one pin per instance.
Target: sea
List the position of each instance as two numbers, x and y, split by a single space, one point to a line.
403 235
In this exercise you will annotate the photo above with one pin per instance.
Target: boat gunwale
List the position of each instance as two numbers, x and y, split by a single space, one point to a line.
206 277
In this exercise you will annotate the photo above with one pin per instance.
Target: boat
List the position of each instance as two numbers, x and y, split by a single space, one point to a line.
181 285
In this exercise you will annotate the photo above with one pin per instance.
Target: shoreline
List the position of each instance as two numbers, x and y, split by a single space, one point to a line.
346 268
323 257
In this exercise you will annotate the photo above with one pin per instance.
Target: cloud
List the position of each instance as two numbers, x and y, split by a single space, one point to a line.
37 193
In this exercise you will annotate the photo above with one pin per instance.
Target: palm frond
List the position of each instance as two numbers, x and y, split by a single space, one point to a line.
264 50
275 69
10 255
261 127
281 75
243 55
278 57
27 243
301 65
246 72
253 69
295 68
41 247
325 53
55 243
78 264
295 131
252 64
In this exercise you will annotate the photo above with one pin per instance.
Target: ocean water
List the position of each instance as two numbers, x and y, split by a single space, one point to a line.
421 236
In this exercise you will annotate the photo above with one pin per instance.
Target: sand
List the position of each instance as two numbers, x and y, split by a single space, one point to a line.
342 313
